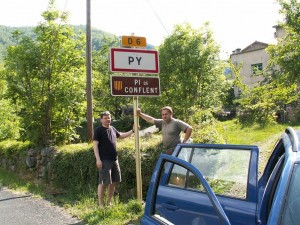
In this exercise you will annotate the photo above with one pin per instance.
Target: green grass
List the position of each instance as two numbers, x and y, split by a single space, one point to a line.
85 207
264 137
14 182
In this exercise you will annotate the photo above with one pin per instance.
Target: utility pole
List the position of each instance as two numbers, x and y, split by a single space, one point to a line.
89 72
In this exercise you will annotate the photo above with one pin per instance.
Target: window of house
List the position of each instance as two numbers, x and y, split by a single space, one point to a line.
257 68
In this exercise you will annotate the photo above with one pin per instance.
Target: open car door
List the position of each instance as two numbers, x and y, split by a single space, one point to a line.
153 214
179 196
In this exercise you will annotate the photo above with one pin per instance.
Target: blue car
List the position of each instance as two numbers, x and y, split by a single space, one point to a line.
215 184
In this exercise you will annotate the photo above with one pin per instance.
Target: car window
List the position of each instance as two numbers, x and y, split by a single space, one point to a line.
291 211
226 170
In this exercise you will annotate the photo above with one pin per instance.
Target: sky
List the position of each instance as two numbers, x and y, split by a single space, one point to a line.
235 23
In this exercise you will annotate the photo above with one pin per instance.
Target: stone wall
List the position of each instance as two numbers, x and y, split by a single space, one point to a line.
35 164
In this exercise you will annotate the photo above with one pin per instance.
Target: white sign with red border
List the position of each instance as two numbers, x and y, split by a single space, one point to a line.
126 60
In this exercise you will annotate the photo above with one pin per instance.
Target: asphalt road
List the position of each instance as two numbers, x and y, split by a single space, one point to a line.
24 209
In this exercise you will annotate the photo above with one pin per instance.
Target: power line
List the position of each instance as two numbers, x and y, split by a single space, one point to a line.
157 16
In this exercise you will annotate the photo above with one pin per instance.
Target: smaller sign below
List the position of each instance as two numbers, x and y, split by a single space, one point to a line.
134 86
133 41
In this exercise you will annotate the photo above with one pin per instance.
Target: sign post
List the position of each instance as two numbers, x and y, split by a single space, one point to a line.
138 168
128 60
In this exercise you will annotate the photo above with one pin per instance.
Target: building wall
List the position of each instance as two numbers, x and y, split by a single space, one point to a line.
248 59
280 32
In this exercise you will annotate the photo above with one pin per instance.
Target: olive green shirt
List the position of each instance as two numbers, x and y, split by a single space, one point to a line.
171 131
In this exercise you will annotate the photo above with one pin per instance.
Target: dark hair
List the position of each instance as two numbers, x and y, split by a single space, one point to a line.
105 113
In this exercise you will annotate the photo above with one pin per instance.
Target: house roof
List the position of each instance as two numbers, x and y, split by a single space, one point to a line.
257 45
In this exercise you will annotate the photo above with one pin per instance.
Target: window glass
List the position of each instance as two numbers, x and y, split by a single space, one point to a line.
226 170
257 68
185 154
181 177
178 176
291 211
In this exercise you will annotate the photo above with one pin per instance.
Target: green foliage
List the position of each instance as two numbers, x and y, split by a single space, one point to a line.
191 73
11 149
79 161
204 126
45 76
9 120
101 81
118 214
83 202
286 54
264 103
9 123
267 102
14 181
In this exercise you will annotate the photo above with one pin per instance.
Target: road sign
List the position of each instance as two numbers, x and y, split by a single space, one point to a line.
126 60
134 86
133 41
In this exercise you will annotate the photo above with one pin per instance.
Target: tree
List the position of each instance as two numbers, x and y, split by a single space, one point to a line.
9 120
191 73
268 100
46 78
286 55
101 81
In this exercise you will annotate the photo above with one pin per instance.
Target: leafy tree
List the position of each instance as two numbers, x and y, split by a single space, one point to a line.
46 77
286 55
9 121
265 102
268 100
191 73
101 81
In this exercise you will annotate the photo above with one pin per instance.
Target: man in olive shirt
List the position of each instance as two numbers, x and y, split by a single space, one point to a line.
170 127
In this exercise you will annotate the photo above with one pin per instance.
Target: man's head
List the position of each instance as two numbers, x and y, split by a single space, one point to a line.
166 113
105 118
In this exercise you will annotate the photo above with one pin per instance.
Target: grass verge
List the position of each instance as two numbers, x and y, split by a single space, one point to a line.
84 206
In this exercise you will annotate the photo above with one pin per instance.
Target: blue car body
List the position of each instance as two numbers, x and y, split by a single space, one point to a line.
219 184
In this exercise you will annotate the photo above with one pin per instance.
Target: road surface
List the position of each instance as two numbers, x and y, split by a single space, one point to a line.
25 209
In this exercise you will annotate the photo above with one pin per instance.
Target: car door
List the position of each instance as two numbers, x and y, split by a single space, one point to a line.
231 172
154 216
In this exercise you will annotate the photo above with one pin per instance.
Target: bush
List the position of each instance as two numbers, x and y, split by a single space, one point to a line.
204 127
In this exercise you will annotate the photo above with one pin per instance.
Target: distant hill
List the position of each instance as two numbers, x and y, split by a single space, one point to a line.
6 38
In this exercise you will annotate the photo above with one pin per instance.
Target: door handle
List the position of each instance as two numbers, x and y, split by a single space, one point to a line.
170 206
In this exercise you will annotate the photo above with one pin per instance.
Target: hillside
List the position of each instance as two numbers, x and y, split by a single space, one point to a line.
6 37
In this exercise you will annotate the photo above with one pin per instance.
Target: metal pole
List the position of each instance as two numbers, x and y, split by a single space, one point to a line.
89 72
137 151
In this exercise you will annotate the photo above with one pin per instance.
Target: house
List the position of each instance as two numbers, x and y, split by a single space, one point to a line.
254 59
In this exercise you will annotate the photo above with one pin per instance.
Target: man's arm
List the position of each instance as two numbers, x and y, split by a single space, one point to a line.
144 116
126 134
96 153
187 135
